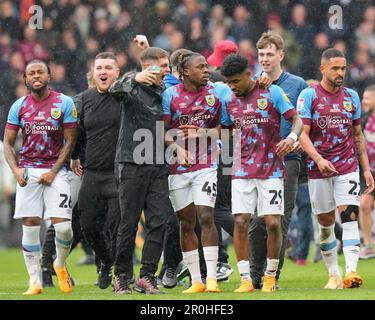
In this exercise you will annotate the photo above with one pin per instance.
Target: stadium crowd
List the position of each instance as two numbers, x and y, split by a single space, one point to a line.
74 32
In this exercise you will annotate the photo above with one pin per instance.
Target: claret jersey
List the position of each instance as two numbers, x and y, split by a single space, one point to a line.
205 109
42 124
256 118
332 117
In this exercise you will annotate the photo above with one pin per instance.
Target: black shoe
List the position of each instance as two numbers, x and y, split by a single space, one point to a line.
223 271
121 285
105 276
257 283
170 278
184 272
47 278
147 285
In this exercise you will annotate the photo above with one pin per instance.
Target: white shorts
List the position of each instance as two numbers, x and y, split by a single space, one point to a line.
265 194
198 187
328 193
38 200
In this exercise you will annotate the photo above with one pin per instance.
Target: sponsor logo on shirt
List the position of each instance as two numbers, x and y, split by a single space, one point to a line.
249 122
39 127
331 122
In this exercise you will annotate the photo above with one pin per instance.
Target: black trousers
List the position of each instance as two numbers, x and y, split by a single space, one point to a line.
172 248
100 213
141 187
258 231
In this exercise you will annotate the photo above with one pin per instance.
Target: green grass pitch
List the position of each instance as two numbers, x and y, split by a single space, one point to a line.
297 283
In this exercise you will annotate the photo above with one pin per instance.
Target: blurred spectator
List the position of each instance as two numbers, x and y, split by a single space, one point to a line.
302 30
185 12
197 40
219 18
31 48
244 26
292 49
8 20
362 71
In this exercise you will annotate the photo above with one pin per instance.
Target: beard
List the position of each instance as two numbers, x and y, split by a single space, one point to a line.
37 90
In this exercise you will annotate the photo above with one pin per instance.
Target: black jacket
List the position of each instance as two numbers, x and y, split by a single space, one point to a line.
99 122
141 136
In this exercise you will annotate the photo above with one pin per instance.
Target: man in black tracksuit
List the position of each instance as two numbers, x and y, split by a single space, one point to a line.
142 173
98 197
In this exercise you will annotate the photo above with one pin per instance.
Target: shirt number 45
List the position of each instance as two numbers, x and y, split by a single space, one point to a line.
211 191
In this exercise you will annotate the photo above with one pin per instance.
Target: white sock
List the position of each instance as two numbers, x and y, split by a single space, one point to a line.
244 269
63 241
31 254
211 255
272 265
191 259
328 247
351 242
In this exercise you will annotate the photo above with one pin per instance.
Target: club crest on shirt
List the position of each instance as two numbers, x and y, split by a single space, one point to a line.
55 113
322 122
347 105
210 99
262 103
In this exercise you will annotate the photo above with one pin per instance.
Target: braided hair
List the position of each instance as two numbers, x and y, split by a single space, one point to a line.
183 59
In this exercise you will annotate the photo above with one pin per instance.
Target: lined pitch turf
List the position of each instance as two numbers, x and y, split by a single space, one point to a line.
298 283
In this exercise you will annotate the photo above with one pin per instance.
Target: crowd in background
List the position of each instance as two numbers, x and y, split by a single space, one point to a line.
74 31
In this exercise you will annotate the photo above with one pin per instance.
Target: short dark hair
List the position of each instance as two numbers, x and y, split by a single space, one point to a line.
234 64
106 55
153 53
34 61
332 53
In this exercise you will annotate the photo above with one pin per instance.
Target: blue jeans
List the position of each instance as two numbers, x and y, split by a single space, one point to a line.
304 222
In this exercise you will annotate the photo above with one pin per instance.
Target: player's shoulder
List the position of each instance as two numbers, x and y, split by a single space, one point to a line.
65 99
351 92
309 91
20 101
294 78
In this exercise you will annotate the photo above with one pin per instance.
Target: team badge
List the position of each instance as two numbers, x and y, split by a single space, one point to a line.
262 103
322 122
210 99
74 112
55 113
348 106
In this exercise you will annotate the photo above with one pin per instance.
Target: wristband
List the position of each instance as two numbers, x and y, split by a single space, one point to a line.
293 136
